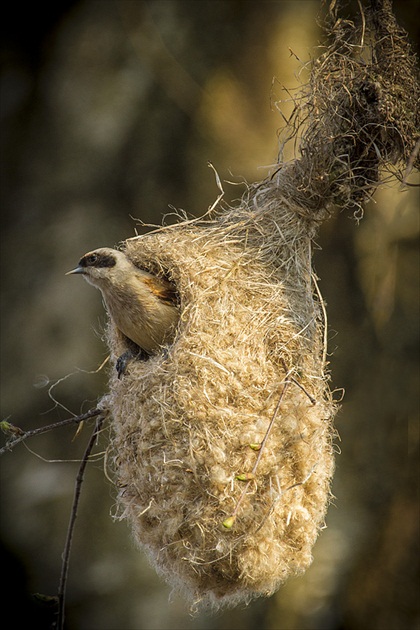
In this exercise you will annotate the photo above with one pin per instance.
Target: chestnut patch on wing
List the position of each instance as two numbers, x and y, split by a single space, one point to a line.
163 289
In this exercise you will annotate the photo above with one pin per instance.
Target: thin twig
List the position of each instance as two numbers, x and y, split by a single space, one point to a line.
411 160
362 15
270 426
325 322
70 531
200 219
296 382
305 391
24 435
231 519
228 523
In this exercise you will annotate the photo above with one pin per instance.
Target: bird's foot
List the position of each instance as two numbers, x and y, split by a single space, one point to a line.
122 362
126 357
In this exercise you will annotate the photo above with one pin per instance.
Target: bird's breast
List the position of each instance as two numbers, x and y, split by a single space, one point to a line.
141 316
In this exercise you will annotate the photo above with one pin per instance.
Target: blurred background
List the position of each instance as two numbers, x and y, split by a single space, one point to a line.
110 112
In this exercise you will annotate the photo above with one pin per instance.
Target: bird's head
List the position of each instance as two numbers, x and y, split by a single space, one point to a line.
102 266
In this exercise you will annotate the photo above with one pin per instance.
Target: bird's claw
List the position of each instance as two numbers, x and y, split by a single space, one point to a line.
122 362
128 355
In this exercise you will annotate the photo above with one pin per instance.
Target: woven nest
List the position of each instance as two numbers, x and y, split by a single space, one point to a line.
222 442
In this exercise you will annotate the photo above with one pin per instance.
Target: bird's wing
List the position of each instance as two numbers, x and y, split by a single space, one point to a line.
163 289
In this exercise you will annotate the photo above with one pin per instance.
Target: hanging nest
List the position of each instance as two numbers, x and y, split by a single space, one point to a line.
222 443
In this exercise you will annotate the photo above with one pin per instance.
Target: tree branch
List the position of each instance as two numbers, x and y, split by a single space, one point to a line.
20 435
73 515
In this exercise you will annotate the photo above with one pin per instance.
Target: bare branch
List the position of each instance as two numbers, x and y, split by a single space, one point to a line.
20 435
73 515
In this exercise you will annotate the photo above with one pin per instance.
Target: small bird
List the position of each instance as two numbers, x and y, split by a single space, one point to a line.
142 306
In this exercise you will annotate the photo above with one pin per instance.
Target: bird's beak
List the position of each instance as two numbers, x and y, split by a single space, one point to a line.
78 269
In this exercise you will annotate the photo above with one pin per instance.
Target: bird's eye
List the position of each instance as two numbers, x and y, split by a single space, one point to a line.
91 259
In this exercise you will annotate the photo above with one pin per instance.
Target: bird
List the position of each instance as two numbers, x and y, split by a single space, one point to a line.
143 306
